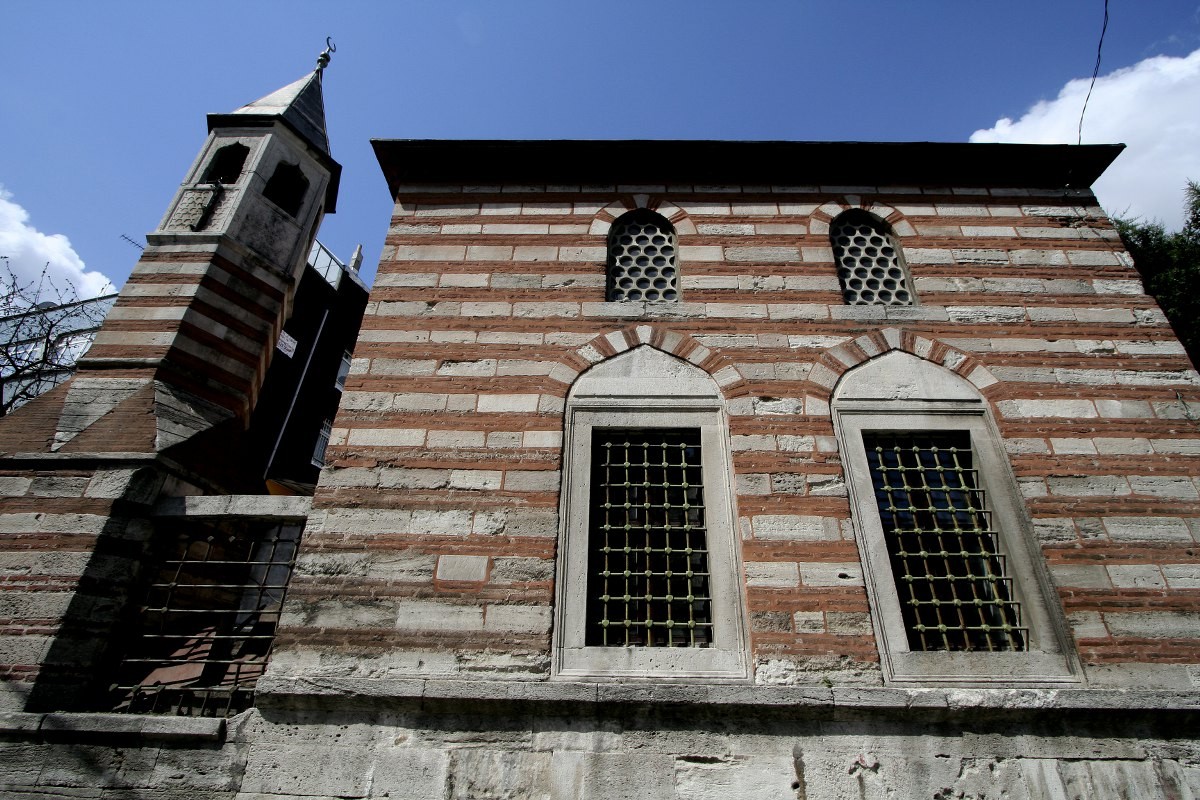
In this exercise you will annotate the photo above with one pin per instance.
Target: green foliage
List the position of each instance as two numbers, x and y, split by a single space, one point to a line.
1170 267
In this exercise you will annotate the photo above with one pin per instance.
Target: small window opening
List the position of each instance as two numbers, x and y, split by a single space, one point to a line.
339 383
870 268
648 575
641 259
207 625
318 457
226 166
951 577
287 188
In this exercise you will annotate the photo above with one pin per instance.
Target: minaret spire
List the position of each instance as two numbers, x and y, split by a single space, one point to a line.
300 105
323 58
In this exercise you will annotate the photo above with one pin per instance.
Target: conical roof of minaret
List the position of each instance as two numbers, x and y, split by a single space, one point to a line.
301 105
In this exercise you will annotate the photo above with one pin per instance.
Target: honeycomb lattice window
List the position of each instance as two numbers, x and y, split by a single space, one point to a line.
870 268
641 259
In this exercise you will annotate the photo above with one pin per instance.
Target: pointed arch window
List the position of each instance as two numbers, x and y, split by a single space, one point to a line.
870 265
648 567
642 259
227 164
958 592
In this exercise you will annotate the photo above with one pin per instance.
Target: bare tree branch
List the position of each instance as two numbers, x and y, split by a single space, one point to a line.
44 329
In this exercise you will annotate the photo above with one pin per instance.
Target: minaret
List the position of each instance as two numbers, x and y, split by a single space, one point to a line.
160 404
188 343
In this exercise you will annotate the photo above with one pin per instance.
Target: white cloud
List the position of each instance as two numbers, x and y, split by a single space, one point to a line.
28 251
1154 107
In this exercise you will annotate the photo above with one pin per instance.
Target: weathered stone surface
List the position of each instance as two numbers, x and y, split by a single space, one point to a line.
505 776
308 769
709 777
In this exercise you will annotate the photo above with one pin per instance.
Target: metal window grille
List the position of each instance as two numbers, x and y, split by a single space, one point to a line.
951 577
318 457
648 574
206 628
641 259
868 261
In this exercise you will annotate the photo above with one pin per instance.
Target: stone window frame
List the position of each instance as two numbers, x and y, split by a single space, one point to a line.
601 400
1049 659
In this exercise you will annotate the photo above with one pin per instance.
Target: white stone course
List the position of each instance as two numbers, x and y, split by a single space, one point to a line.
518 619
772 574
1147 529
462 568
795 527
831 574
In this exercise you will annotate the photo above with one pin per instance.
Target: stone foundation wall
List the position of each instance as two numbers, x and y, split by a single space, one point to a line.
620 749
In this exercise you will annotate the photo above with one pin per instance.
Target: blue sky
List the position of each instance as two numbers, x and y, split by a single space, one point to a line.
102 108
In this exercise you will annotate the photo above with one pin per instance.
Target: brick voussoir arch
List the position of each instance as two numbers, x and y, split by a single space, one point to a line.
604 218
837 361
819 220
606 345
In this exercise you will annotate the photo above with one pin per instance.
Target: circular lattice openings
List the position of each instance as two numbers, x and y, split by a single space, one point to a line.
870 267
642 262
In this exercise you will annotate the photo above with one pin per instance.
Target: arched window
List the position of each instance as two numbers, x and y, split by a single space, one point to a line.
958 592
641 259
870 265
287 188
648 562
226 165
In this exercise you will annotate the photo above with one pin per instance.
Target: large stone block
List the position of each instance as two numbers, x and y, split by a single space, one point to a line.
800 528
1154 624
408 773
308 770
611 776
503 775
772 574
718 777
462 568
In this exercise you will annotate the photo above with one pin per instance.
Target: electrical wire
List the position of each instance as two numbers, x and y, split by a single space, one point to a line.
1095 72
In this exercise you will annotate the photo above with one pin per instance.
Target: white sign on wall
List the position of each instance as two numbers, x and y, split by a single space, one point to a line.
287 344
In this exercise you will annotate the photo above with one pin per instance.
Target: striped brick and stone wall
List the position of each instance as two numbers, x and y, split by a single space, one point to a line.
207 323
431 547
68 546
414 657
159 406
